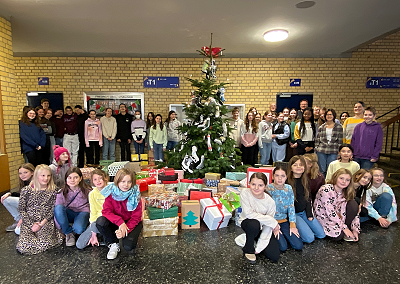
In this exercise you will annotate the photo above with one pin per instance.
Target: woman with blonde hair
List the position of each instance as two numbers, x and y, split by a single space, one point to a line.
315 178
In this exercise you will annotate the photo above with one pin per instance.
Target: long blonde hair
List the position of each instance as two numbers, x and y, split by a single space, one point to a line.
314 170
35 181
348 192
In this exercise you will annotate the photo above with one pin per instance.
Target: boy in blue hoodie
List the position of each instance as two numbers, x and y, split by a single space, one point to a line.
367 140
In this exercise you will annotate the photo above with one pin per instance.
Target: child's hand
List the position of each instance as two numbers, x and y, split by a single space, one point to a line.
123 230
93 240
310 218
383 222
295 232
36 227
277 231
4 197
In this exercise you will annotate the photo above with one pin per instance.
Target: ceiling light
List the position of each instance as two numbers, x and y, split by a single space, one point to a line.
276 35
305 4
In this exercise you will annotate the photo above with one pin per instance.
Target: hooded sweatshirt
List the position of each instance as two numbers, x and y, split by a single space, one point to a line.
93 131
367 140
172 131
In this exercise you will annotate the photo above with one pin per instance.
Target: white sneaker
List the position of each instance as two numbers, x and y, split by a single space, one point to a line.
241 240
113 252
17 230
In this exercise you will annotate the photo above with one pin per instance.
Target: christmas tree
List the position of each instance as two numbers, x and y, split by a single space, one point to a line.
190 219
206 145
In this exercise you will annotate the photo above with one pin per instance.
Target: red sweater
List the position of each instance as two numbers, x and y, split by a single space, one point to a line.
117 213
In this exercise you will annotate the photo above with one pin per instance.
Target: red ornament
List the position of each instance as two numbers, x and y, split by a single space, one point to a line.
97 106
210 127
215 51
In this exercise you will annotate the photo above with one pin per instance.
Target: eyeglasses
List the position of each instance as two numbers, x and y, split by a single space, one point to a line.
378 176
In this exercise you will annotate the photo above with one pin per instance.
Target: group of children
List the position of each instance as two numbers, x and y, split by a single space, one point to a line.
298 207
56 199
280 136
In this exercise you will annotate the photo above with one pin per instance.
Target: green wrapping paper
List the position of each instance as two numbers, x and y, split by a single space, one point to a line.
183 186
143 174
156 213
231 201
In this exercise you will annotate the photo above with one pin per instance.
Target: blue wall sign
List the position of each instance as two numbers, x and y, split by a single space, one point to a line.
43 81
161 82
295 82
383 82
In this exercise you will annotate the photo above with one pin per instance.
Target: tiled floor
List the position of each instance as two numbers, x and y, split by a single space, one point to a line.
203 256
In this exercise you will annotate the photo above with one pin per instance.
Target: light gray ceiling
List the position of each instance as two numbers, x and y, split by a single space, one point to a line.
179 27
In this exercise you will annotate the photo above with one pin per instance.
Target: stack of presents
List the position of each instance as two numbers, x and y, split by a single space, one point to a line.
172 202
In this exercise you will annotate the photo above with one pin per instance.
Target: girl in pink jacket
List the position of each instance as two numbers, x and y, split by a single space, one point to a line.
93 138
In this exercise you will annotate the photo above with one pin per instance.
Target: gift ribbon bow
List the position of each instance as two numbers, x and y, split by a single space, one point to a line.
219 205
229 198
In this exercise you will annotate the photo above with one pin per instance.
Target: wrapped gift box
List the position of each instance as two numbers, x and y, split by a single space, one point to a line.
169 171
144 157
156 188
214 213
134 157
180 173
212 183
231 201
164 176
145 182
142 174
163 200
190 211
155 172
105 164
266 171
222 186
236 175
134 167
157 213
183 186
159 227
234 189
213 176
87 172
198 194
115 167
144 163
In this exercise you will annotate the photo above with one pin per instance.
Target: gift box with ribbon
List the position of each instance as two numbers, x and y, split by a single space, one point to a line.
231 201
145 182
214 213
142 174
159 227
157 213
156 188
236 175
162 200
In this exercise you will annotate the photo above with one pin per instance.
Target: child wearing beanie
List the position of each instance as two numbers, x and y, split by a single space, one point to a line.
61 164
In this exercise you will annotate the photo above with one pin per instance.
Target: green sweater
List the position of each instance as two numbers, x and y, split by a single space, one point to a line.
158 136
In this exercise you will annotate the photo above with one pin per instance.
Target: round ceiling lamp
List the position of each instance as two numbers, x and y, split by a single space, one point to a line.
276 35
305 4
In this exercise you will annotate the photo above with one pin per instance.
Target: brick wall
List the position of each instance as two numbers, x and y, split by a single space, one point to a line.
335 82
11 113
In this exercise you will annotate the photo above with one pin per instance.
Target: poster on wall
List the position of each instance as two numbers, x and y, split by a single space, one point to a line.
100 101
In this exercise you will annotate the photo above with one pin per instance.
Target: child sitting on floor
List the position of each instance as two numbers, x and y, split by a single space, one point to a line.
122 213
36 205
99 180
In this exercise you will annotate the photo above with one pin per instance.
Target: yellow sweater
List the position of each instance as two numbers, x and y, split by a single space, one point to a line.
96 200
348 128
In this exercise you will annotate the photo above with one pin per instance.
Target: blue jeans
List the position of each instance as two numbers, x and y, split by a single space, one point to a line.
84 238
308 230
293 240
59 141
64 216
265 153
139 147
11 204
364 163
278 152
108 147
158 152
171 145
382 205
324 160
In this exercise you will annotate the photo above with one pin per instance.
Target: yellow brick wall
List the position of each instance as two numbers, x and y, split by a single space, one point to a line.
11 111
335 82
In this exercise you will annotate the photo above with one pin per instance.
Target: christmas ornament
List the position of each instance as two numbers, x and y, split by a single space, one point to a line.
217 112
209 147
201 165
222 94
225 129
195 158
205 124
187 160
218 141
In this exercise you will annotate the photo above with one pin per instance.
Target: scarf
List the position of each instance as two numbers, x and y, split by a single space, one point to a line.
133 195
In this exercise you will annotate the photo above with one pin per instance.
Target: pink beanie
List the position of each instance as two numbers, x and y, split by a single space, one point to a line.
58 151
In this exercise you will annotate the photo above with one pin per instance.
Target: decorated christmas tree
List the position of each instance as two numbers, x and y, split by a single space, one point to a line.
190 219
206 145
